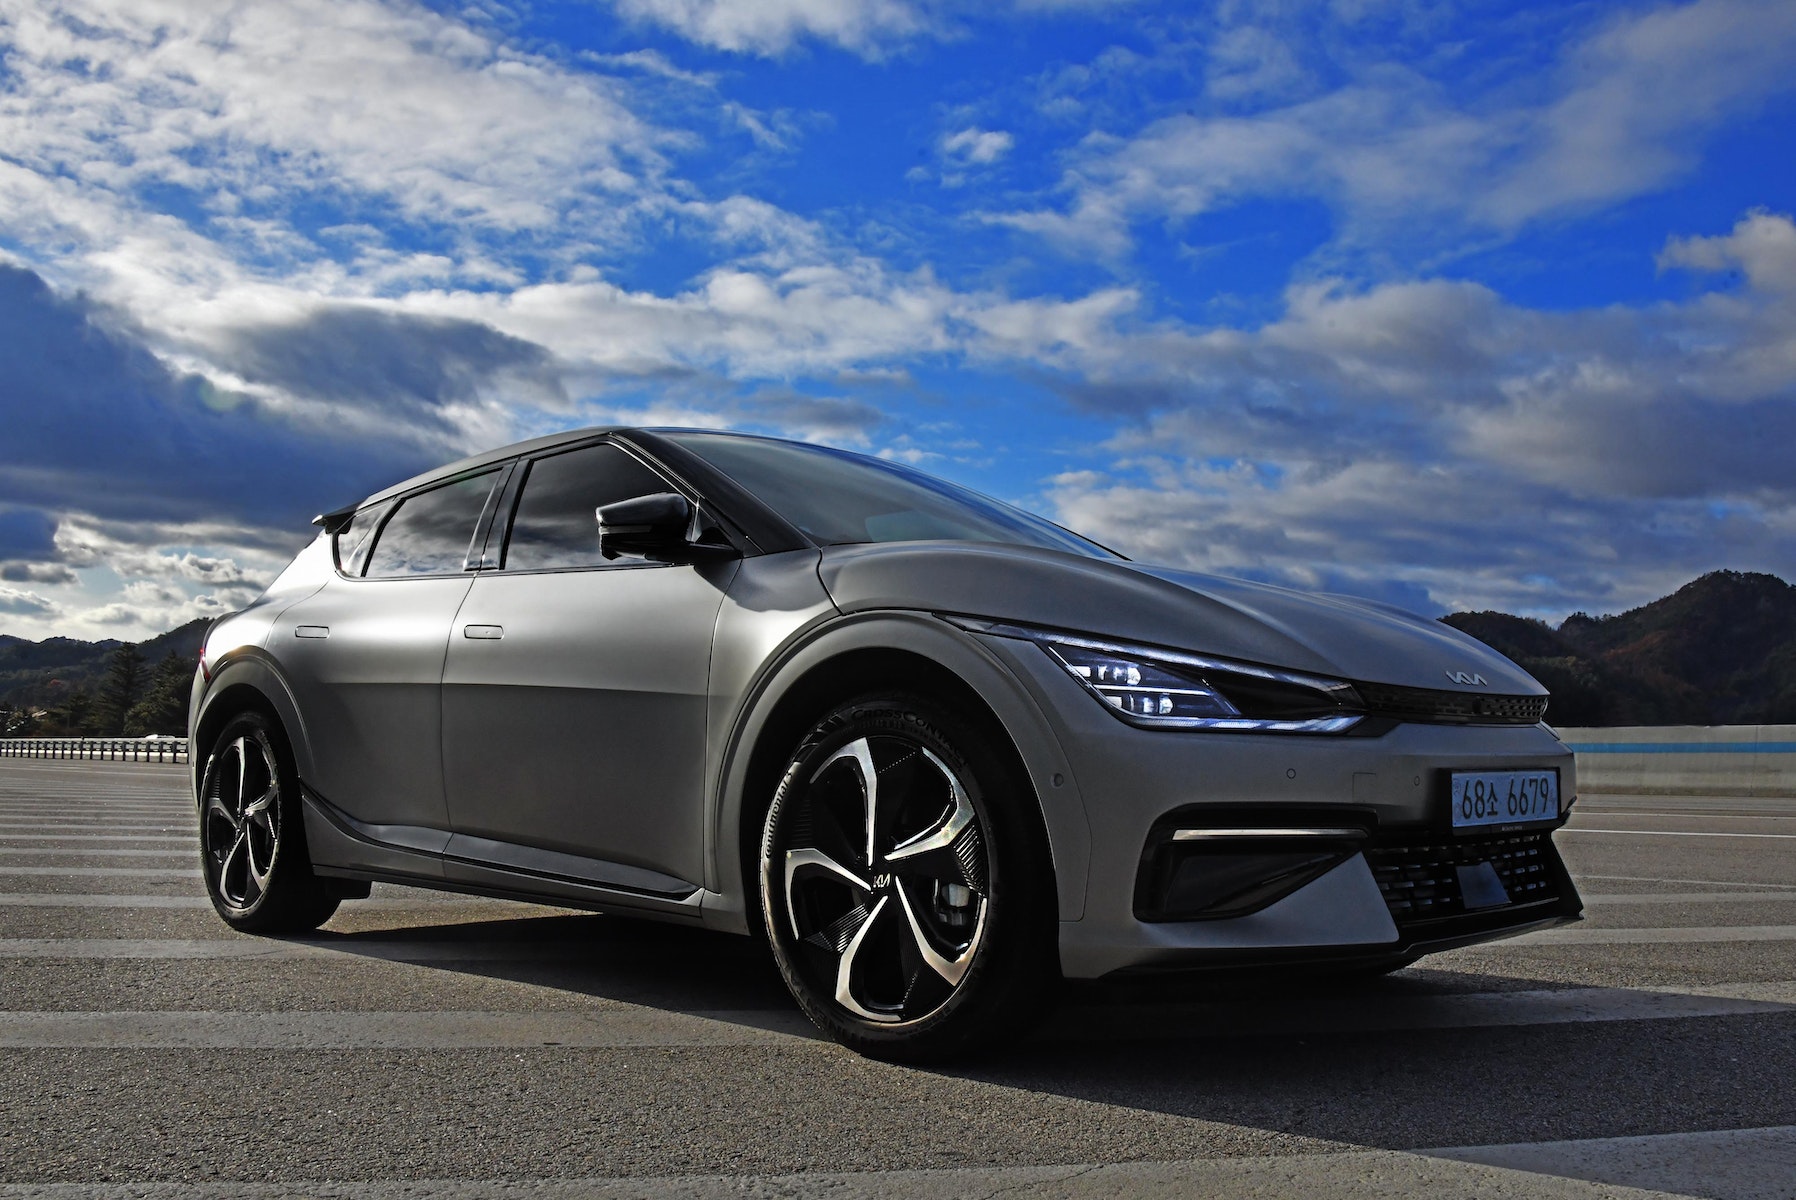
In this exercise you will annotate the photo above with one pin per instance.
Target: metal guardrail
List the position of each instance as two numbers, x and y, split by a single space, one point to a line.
171 750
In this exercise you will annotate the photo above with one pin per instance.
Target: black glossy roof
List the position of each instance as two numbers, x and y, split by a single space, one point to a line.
491 456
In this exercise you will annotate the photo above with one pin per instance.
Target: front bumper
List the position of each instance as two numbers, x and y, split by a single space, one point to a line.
1364 908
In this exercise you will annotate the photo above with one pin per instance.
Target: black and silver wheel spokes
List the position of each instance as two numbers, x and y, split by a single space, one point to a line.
242 818
885 878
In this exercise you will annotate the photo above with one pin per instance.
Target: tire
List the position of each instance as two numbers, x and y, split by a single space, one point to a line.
921 926
253 835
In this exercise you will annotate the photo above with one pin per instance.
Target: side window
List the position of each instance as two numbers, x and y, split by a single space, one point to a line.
556 525
430 533
353 542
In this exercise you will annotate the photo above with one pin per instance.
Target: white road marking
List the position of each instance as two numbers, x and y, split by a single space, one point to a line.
1599 900
1577 935
103 900
98 837
1740 1164
83 852
79 872
1385 1012
1693 882
624 1026
1672 833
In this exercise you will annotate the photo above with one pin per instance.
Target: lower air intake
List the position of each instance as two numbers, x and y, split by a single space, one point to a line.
1431 880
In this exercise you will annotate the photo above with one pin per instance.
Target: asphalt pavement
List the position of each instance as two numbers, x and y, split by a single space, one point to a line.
426 1045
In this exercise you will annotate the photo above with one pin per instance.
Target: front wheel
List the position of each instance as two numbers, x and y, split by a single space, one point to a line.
904 883
252 835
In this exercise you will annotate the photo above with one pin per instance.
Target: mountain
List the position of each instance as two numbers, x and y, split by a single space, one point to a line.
40 674
1721 650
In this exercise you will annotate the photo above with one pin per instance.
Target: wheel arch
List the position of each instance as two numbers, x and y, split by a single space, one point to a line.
245 684
902 651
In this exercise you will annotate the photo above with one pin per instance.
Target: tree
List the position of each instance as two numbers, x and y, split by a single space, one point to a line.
163 708
119 691
74 717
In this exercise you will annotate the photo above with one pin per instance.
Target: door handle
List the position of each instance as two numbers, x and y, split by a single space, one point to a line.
312 631
488 633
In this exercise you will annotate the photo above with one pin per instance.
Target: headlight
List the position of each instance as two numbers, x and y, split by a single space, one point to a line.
1165 689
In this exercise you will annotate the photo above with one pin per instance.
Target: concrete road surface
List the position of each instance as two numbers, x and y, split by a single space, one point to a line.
427 1045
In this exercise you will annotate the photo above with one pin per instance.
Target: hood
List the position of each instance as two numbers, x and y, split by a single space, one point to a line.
1204 614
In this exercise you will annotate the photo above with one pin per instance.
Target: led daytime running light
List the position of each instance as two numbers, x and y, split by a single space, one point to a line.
1170 690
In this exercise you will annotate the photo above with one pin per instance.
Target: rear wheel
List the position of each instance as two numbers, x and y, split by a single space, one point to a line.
905 891
252 835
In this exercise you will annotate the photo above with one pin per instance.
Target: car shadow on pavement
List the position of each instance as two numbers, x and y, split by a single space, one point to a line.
1420 1058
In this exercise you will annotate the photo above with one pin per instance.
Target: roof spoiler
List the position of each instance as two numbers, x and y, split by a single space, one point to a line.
336 520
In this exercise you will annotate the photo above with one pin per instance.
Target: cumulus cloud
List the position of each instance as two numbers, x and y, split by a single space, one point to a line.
976 145
1433 434
867 27
1625 111
37 572
243 103
14 602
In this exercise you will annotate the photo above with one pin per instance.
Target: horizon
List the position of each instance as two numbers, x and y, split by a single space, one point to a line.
1479 308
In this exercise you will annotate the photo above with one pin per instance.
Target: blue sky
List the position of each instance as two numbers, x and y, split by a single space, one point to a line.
1458 306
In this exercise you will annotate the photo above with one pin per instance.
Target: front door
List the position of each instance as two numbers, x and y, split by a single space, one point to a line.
574 693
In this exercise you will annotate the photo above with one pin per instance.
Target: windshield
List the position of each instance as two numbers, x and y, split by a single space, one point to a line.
837 498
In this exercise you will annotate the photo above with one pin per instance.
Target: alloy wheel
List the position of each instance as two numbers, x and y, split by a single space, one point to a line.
880 868
242 818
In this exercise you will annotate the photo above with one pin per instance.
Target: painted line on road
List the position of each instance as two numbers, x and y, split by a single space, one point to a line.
97 837
1672 833
1744 1164
637 1025
1578 935
385 949
101 900
1693 882
1600 900
625 1026
83 872
100 852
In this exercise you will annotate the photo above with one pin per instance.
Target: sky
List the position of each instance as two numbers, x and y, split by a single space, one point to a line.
1456 306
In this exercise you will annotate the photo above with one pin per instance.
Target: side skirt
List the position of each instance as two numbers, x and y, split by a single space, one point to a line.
343 847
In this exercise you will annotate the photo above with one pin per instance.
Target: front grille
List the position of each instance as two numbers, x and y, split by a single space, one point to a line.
1444 707
1422 883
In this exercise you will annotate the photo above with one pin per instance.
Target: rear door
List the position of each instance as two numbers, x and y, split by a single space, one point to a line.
574 695
364 654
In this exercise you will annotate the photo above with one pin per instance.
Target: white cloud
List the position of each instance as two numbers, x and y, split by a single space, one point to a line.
14 602
977 146
1624 112
37 572
249 104
1432 434
866 27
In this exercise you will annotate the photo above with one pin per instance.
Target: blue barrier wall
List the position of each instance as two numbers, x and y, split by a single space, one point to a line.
1694 760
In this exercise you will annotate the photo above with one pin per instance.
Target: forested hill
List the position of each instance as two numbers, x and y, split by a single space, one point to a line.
64 687
41 672
1721 650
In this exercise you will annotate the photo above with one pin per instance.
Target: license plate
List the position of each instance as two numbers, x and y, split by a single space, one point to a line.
1482 798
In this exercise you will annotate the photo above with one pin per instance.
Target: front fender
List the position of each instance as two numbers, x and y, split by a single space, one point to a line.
1016 709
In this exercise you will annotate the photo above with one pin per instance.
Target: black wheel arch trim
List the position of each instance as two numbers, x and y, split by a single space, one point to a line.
925 637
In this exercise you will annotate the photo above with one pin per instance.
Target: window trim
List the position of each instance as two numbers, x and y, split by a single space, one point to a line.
395 503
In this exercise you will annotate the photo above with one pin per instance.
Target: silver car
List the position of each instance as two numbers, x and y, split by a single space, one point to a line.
938 752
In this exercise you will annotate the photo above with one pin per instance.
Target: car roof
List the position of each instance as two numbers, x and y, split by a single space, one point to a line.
486 458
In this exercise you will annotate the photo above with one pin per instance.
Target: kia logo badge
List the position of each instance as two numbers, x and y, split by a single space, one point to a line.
1467 679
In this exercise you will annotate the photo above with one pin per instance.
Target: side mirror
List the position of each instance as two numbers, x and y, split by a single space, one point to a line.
657 526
